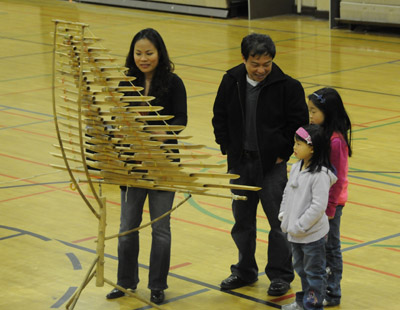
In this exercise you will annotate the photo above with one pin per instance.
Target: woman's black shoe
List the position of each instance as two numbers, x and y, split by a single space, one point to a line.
115 293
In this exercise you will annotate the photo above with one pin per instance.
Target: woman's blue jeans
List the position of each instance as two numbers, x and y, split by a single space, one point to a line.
132 202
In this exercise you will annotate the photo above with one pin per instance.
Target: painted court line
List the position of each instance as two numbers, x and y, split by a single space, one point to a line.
371 242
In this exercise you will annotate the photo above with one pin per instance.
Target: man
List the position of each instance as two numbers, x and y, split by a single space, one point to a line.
257 110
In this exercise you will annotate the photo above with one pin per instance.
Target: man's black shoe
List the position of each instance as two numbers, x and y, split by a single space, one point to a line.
157 296
278 288
233 282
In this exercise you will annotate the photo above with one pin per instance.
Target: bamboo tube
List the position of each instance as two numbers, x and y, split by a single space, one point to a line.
147 118
186 156
137 98
138 141
181 146
100 148
79 160
103 165
67 149
215 175
138 109
102 156
118 174
163 127
110 68
169 137
97 60
100 242
234 186
131 88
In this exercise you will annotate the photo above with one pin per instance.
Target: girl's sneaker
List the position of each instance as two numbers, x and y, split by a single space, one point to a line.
330 303
292 306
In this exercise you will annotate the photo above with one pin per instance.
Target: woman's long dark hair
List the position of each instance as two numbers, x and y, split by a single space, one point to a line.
336 119
162 75
321 148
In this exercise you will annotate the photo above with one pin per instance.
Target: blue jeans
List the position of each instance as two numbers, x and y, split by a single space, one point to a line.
310 264
132 202
244 231
334 260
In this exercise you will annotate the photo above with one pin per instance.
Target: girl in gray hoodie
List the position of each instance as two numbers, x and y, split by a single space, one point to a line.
303 217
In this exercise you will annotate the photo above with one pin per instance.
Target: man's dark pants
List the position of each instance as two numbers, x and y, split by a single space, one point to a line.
244 231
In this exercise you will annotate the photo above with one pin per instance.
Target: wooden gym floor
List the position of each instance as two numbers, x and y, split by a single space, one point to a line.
46 231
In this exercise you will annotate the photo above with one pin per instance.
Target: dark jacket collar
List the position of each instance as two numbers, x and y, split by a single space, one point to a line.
239 73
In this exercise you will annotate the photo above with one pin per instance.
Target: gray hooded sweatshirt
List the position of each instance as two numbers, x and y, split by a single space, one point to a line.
304 202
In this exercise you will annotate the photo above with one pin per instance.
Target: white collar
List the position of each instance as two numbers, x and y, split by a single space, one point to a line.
251 82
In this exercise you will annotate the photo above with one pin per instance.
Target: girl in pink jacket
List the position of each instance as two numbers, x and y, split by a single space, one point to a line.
327 110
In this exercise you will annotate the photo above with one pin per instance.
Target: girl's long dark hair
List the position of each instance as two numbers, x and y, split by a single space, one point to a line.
336 119
321 148
162 75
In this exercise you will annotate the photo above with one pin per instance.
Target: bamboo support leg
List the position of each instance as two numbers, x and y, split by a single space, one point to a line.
101 244
89 276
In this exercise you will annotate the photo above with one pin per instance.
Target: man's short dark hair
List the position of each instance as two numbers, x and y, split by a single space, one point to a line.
258 44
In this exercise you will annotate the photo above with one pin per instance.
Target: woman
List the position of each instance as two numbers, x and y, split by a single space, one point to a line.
149 62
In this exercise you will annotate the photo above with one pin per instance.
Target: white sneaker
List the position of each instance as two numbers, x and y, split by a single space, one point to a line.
293 306
327 303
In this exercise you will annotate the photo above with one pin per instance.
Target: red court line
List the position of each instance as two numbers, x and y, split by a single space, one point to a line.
373 269
25 91
282 298
372 207
33 133
30 195
22 115
380 120
375 188
360 125
84 239
25 160
179 266
373 108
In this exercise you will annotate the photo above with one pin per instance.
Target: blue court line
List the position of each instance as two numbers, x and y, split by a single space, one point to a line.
74 261
388 174
25 78
376 126
27 111
370 242
11 236
25 124
25 55
204 284
36 184
25 41
68 294
372 180
176 298
26 232
206 212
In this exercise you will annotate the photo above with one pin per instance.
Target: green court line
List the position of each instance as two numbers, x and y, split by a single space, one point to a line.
377 126
199 208
375 173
